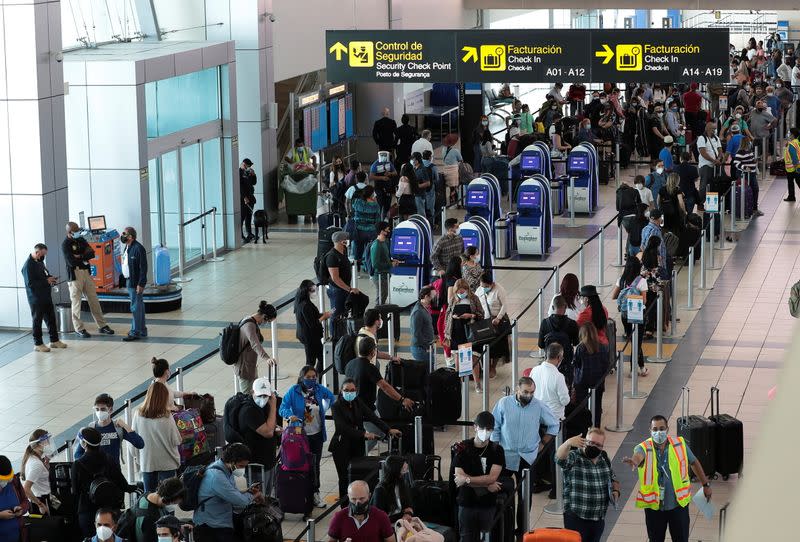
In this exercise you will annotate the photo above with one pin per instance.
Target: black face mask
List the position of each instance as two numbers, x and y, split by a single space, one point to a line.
592 452
123 238
359 509
524 399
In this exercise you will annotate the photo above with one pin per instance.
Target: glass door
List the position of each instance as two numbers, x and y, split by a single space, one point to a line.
192 200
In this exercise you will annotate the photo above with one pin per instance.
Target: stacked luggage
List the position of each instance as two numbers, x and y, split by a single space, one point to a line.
295 472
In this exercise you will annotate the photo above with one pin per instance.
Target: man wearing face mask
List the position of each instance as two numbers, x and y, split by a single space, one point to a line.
477 465
655 181
341 273
168 529
373 321
654 227
360 522
709 147
152 507
134 269
247 195
656 132
112 432
589 483
256 422
665 489
384 178
105 526
422 326
517 421
38 285
221 498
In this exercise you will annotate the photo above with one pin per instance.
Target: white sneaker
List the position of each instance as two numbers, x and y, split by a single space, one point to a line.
449 362
41 348
318 501
58 344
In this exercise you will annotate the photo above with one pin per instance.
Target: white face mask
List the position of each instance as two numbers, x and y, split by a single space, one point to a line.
239 473
102 415
639 186
660 170
477 259
3 484
164 539
659 437
738 115
104 533
261 401
483 434
171 508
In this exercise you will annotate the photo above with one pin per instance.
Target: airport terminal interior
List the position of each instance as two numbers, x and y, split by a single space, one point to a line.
205 158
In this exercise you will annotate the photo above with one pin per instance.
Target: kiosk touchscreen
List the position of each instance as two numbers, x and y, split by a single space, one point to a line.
531 162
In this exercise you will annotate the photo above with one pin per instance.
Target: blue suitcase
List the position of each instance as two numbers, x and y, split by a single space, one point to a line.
161 263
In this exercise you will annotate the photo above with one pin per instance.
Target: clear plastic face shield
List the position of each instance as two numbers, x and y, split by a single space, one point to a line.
383 157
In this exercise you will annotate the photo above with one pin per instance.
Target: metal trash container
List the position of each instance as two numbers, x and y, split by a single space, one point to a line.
64 317
501 239
556 197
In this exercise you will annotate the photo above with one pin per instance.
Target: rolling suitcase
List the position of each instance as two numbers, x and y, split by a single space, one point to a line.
433 502
161 263
44 528
366 468
326 220
385 310
729 444
551 534
295 491
748 200
392 411
699 434
405 444
444 397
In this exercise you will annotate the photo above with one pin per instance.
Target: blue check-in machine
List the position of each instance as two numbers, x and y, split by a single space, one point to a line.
412 245
477 232
534 230
582 168
547 164
483 198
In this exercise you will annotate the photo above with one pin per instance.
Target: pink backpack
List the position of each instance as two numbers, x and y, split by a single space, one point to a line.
295 450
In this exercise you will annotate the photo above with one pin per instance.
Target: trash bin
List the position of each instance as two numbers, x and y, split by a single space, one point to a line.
64 316
556 198
501 239
512 230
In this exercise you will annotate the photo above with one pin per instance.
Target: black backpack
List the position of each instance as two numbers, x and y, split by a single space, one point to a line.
103 492
192 477
230 417
261 524
345 351
229 349
557 335
126 524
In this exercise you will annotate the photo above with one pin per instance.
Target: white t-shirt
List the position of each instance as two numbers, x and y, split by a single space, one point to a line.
572 314
352 190
712 146
126 272
551 388
796 75
334 178
640 284
421 145
36 472
645 194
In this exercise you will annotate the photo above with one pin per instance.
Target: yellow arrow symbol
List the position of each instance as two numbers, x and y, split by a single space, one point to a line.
337 49
607 54
472 52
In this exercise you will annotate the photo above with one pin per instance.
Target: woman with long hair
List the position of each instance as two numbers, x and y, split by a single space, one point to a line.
306 403
590 364
445 294
464 309
471 269
594 312
35 469
153 421
569 290
161 373
636 284
670 201
366 215
393 492
309 320
406 188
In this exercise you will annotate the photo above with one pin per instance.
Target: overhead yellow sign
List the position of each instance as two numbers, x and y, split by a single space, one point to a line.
493 58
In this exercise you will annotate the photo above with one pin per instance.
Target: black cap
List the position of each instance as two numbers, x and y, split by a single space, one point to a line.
91 436
247 162
6 470
588 291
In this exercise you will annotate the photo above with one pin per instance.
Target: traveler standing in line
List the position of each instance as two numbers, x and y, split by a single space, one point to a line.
247 197
445 294
13 504
384 177
550 385
670 202
477 136
424 185
382 262
169 529
309 323
422 326
745 162
449 245
406 136
134 269
159 458
477 465
654 228
77 254
665 488
710 156
360 522
250 339
392 494
688 174
307 402
349 415
590 364
589 483
36 471
422 144
406 188
373 321
38 283
471 269
594 312
256 423
517 419
462 310
559 328
366 215
569 290
791 157
161 373
112 431
105 526
384 131
222 498
492 297
341 273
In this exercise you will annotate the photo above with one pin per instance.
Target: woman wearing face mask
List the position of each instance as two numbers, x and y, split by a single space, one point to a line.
461 312
559 147
594 313
656 131
337 173
366 215
406 187
471 269
568 289
151 507
492 297
525 120
36 469
477 137
309 323
446 294
636 284
590 363
393 492
306 403
159 458
13 504
161 373
349 414
250 339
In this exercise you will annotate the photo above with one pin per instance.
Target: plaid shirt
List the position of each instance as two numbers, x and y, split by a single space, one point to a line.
586 485
447 247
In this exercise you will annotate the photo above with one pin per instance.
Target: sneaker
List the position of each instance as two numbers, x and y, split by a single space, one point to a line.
83 334
130 338
756 212
318 501
449 362
40 348
789 199
105 330
58 344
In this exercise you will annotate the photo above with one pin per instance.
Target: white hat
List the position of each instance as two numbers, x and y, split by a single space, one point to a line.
262 386
668 139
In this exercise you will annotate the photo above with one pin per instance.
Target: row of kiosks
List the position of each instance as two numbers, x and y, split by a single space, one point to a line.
412 244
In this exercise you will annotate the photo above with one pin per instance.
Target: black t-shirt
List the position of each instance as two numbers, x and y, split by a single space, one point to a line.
366 376
342 263
476 461
688 174
262 449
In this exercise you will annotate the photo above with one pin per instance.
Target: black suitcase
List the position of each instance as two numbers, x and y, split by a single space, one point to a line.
405 444
504 528
295 490
366 468
729 439
699 433
326 220
407 375
385 310
398 375
45 528
444 397
433 502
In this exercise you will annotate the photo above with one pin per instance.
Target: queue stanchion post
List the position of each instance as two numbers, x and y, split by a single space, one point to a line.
742 200
616 166
485 363
703 261
526 500
236 387
673 285
444 218
620 248
464 405
619 425
711 242
635 393
69 451
571 198
392 348
418 434
659 357
556 508
327 376
556 281
311 534
764 154
218 452
214 257
690 280
580 265
354 275
514 353
432 358
722 208
179 385
181 256
129 463
734 228
539 353
593 404
273 369
321 297
601 261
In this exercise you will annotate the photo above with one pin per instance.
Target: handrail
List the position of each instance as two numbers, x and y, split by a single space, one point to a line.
198 217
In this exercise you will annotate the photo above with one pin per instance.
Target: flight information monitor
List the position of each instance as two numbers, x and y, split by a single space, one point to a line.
530 198
477 197
404 244
577 163
531 162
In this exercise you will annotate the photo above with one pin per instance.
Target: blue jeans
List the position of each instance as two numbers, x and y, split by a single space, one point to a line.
337 297
152 479
430 204
138 326
420 353
421 202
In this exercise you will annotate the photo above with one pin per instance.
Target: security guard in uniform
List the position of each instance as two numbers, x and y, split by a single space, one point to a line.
664 486
791 157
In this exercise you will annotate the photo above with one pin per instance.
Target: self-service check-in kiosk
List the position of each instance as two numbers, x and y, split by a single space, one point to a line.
483 198
582 169
534 229
411 245
477 232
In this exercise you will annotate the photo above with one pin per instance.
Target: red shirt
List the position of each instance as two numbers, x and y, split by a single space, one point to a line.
692 101
585 316
376 528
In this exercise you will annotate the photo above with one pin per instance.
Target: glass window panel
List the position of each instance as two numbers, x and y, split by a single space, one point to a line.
170 180
212 189
178 103
192 200
155 203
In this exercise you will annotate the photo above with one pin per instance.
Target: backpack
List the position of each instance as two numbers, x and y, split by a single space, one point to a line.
261 524
104 493
126 524
366 259
295 450
794 300
671 242
229 349
556 335
193 434
230 417
345 351
192 477
622 298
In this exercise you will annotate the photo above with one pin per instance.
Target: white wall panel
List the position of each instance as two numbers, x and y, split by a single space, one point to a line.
9 315
109 72
53 234
77 119
245 20
116 194
59 141
74 72
180 15
218 12
24 310
28 227
24 146
248 86
5 163
22 66
8 264
113 130
250 146
80 192
46 151
53 36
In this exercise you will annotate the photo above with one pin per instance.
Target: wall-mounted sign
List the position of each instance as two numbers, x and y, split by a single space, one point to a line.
529 56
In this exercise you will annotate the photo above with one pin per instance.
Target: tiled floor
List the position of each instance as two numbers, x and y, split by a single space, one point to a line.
735 342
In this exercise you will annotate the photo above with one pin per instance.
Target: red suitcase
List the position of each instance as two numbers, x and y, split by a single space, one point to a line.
552 534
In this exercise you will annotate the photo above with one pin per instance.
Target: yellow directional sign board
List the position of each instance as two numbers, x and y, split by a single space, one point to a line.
668 55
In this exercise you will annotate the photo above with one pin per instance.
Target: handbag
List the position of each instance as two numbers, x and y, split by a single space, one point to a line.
481 332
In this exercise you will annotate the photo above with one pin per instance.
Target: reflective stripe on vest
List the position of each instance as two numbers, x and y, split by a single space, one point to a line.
648 494
301 157
787 157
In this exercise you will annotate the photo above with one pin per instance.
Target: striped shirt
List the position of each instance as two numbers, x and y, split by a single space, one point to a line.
745 160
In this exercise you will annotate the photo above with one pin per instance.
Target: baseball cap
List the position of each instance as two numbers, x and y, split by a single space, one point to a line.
668 139
262 386
735 128
340 236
